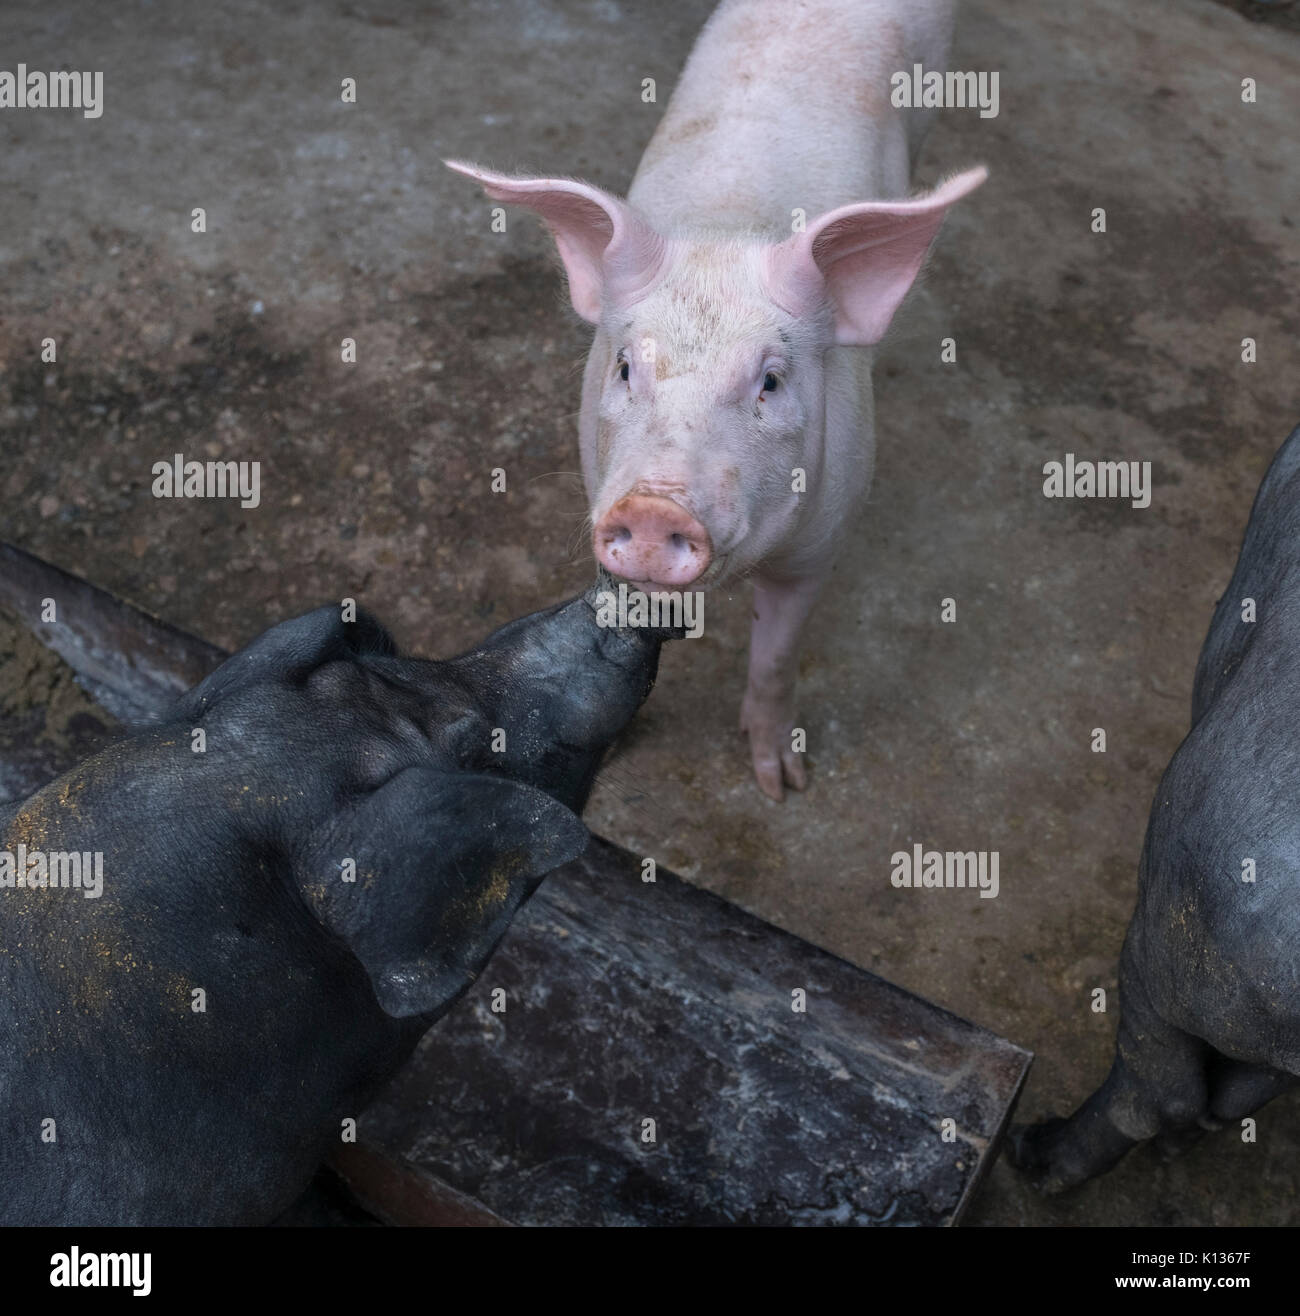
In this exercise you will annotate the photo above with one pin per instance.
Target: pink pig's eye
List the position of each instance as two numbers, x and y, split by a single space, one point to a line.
770 383
623 371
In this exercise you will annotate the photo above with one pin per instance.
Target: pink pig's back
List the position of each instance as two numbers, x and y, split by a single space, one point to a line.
785 104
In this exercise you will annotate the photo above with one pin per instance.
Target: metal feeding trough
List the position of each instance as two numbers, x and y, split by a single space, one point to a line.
649 1067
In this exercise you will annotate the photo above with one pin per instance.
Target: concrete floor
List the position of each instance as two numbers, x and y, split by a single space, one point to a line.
328 221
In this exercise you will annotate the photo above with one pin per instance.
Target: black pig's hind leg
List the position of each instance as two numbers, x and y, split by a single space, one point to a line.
1238 1089
1157 1082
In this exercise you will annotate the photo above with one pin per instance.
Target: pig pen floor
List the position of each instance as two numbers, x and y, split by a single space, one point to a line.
328 221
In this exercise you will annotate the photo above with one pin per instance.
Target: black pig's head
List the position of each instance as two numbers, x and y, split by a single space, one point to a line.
415 804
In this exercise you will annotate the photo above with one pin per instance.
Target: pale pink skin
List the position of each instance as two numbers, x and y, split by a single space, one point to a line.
689 462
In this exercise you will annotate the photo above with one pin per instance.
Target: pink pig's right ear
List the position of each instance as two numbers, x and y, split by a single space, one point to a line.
864 257
606 247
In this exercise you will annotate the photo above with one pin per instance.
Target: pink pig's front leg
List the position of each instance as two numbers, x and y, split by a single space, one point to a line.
781 607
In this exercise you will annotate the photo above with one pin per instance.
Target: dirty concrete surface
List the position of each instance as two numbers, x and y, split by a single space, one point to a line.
328 221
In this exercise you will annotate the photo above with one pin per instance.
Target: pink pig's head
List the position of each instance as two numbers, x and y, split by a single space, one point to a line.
706 381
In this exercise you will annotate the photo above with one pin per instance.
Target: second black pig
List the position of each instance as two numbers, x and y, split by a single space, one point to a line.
1209 975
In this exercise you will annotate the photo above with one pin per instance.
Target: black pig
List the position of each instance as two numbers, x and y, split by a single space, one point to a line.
1209 975
225 883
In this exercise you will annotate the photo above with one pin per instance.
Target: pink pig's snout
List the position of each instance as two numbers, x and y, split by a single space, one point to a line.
652 540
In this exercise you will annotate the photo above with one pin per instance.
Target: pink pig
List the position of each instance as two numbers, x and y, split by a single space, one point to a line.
726 426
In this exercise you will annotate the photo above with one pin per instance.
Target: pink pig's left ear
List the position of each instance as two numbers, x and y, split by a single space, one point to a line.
606 247
865 256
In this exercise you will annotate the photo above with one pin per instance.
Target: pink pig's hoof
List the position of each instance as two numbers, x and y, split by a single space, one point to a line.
776 764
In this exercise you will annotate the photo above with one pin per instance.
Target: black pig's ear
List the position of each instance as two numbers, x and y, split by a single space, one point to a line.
288 652
443 862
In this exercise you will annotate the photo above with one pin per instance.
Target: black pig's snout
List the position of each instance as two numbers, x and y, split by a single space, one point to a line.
625 610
